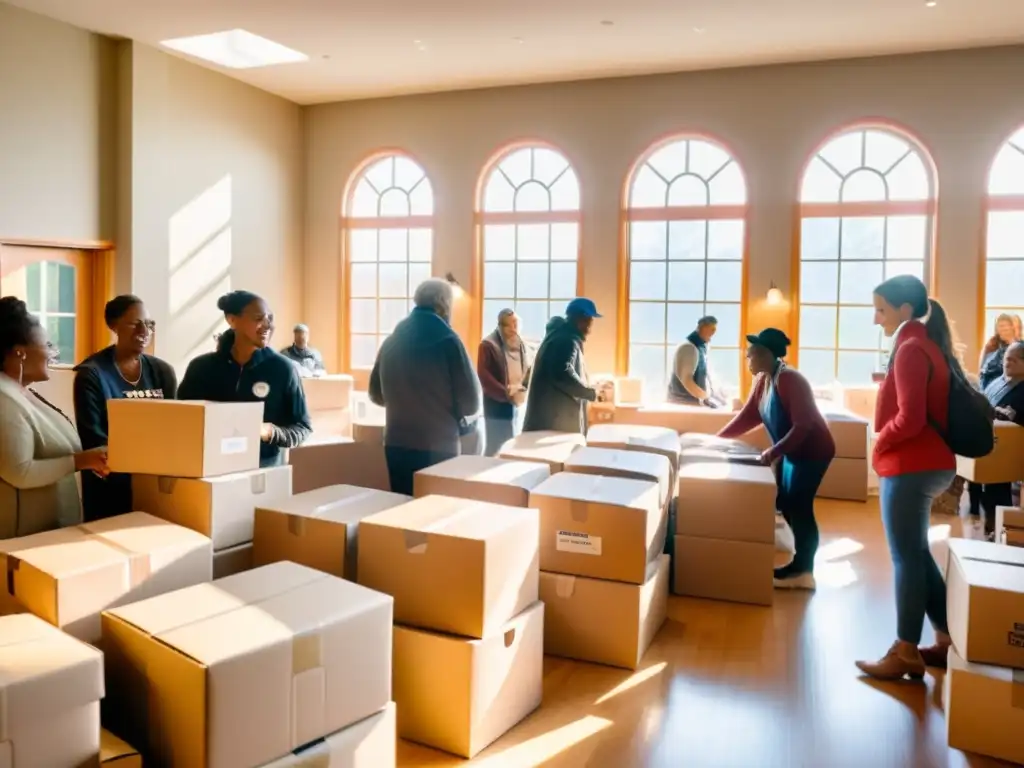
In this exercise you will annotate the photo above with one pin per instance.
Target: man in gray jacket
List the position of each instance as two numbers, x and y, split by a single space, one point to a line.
427 385
559 388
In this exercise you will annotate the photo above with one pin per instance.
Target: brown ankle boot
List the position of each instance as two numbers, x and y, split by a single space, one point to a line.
935 655
895 665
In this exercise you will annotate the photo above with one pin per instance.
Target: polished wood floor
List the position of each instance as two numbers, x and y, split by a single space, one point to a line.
730 686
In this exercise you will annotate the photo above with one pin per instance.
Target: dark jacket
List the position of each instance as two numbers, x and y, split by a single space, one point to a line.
268 377
492 367
1007 394
424 380
991 367
559 393
98 380
307 359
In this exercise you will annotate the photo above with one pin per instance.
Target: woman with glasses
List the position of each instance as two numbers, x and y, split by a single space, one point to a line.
122 370
39 449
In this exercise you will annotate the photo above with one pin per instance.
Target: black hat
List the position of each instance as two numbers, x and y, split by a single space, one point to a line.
772 339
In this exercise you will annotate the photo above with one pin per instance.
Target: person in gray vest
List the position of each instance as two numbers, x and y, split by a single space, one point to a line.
690 383
308 359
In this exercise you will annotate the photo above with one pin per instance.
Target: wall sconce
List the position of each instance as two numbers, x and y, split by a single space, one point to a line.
774 296
457 288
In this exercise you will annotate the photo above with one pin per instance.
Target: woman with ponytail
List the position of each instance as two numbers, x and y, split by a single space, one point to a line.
245 369
914 465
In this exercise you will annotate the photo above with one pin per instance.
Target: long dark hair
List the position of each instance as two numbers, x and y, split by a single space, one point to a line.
233 303
907 289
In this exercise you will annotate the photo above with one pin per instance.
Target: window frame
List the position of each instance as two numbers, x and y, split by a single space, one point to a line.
860 209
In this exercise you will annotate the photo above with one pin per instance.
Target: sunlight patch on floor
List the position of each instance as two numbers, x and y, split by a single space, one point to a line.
633 681
540 749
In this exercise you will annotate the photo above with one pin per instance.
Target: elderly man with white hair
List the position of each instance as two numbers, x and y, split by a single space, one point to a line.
426 383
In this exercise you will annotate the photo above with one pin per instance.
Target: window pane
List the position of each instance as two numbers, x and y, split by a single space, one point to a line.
565 240
563 280
915 268
391 312
687 239
62 336
364 351
417 274
857 329
844 153
549 165
682 320
394 202
1005 235
820 183
649 190
393 244
499 195
421 243
499 280
648 240
725 368
883 150
862 186
819 282
862 237
670 160
532 196
363 280
647 280
381 174
364 200
565 192
909 179
819 239
363 316
34 286
856 368
686 281
362 245
725 281
707 159
407 173
66 290
907 238
533 242
818 366
728 186
517 166
490 313
647 322
499 242
532 280
817 327
1007 176
1004 281
857 281
648 362
728 333
688 190
394 280
725 239
421 199
533 317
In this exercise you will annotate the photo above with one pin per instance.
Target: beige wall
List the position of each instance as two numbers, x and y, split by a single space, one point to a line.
962 105
56 138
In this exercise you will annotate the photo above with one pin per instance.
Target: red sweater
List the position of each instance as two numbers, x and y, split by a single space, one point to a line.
914 394
808 436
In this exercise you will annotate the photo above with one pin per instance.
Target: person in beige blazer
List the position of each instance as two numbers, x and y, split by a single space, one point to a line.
39 447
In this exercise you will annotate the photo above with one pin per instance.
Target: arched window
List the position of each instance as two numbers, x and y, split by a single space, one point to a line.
389 226
1004 251
686 212
530 214
866 214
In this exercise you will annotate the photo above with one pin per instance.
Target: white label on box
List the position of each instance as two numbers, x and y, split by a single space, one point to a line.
577 543
230 446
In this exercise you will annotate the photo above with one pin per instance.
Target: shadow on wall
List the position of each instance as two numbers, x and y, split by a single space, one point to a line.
199 266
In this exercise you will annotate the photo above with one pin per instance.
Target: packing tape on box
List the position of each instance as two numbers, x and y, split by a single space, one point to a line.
258 484
307 653
579 510
565 585
139 566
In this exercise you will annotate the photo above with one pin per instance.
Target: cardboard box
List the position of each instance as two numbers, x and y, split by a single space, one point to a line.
1006 462
861 401
452 565
1010 526
372 434
500 481
551 448
499 680
845 479
370 743
632 465
220 508
688 418
69 575
628 390
319 528
50 689
337 423
602 527
606 622
228 562
695 448
338 462
116 753
249 668
717 569
849 431
627 437
985 602
181 438
328 393
984 709
600 413
726 500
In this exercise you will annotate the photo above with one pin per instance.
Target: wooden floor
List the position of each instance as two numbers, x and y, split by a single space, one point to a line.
729 686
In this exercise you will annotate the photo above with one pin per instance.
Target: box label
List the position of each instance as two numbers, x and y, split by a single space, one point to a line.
231 446
577 543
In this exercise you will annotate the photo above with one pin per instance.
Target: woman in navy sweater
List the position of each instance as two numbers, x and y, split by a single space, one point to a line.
802 447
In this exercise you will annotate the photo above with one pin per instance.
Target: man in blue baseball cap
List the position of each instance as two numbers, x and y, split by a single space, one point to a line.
559 390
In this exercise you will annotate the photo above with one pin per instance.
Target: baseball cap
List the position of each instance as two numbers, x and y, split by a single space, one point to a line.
582 307
772 339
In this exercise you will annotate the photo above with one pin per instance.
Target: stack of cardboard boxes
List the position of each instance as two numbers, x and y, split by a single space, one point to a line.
205 473
1010 526
463 574
985 675
847 475
329 402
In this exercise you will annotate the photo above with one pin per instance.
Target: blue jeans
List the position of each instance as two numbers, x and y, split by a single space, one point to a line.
798 483
906 502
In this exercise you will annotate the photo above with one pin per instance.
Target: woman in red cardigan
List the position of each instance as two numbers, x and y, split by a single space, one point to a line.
802 447
914 465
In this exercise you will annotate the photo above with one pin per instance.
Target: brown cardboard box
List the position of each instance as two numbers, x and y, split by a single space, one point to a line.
984 709
117 753
985 602
628 391
861 401
498 680
717 569
845 479
328 393
551 448
606 622
50 691
452 565
632 465
726 500
372 434
695 448
1006 462
688 418
370 743
602 527
180 438
319 528
228 562
849 431
221 507
628 437
1010 526
600 413
327 424
69 575
338 462
500 481
292 655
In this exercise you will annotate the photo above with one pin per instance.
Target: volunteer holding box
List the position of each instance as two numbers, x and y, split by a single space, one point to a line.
245 370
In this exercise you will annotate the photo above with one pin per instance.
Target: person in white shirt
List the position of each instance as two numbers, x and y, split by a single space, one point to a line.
690 382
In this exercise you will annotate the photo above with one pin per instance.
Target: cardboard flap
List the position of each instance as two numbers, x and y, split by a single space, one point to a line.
565 585
484 469
725 470
449 516
599 489
339 503
654 464
660 438
113 748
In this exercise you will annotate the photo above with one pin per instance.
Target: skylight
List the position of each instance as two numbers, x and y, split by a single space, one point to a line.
236 49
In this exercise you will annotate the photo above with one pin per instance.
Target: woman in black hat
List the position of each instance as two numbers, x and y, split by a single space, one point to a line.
802 447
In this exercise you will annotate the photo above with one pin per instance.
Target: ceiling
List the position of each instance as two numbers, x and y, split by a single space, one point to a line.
372 48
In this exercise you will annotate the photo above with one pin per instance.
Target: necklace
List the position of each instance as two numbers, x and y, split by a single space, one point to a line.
125 378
